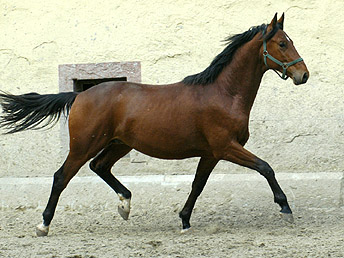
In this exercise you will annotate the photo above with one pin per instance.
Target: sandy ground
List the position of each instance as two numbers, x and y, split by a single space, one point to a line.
231 219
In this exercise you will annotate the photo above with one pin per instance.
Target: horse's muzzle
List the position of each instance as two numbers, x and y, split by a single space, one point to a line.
301 78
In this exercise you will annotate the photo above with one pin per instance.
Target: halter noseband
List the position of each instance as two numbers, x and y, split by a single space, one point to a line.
284 66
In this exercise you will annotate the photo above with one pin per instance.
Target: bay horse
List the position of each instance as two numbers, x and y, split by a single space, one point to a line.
205 115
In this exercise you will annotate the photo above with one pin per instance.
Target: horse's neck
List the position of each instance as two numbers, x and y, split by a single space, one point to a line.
241 78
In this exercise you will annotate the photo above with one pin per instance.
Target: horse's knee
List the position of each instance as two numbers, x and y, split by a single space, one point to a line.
264 169
197 188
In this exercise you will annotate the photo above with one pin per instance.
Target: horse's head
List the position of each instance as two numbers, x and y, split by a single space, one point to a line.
279 53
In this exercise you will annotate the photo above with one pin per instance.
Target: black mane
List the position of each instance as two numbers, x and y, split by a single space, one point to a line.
210 74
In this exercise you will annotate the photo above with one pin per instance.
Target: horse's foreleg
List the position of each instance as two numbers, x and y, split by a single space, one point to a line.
237 154
61 179
205 166
102 164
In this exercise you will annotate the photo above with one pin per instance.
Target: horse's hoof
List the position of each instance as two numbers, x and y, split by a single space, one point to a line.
287 217
124 214
186 230
42 230
124 207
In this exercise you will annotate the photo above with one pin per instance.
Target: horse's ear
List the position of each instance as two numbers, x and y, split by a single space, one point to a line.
281 21
273 21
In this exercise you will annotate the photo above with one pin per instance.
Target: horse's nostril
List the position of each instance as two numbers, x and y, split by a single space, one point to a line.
305 78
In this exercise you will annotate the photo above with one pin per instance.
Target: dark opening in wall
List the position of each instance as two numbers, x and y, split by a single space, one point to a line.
80 77
80 85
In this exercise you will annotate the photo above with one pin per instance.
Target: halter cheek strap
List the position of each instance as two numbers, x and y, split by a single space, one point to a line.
284 66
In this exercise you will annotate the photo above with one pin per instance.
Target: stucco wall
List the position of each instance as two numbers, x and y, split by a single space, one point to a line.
294 128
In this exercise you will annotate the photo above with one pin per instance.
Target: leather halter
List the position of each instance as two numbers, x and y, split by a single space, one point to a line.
284 66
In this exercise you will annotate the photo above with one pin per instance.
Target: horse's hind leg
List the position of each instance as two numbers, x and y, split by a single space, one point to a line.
204 168
102 164
61 178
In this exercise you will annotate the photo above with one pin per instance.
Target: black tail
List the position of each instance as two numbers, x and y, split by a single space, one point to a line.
28 111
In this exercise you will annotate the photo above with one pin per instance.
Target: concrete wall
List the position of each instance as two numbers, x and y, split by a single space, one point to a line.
295 129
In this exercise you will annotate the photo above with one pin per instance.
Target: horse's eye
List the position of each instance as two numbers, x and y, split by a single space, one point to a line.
282 44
